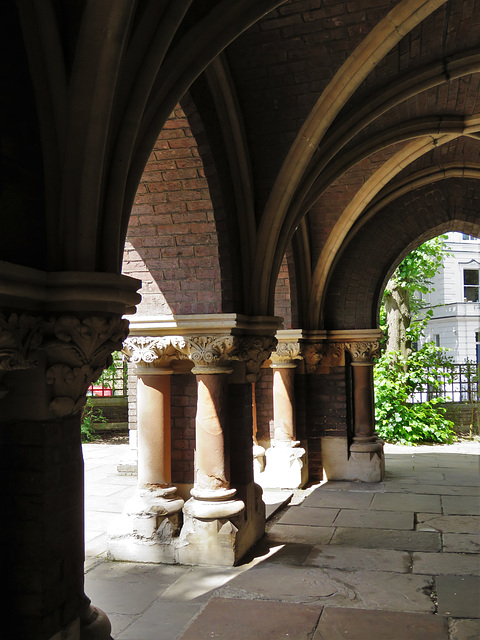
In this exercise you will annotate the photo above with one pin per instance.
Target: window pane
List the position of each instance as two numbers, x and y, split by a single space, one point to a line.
471 294
470 276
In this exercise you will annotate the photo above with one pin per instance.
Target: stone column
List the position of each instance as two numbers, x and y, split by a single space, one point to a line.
209 533
48 363
151 520
366 449
258 450
286 466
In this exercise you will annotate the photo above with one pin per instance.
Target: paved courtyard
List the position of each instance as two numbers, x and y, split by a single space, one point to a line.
397 560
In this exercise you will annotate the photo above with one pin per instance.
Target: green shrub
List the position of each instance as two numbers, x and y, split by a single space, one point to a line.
90 417
396 380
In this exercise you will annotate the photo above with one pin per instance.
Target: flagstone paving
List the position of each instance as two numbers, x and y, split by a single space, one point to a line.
395 560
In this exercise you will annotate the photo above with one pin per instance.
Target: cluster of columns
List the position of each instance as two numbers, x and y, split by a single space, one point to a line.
214 524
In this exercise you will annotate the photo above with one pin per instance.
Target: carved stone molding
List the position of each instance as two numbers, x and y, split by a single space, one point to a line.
20 337
254 351
77 351
363 352
313 353
148 350
209 354
286 353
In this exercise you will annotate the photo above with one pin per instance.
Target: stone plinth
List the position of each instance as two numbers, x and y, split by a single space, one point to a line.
148 528
286 466
366 462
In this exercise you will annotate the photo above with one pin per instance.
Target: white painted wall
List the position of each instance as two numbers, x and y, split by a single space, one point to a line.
455 321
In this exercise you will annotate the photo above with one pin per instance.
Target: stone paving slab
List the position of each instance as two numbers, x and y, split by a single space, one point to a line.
446 563
312 516
355 559
461 542
429 476
464 629
338 500
407 502
374 519
354 487
448 524
300 533
199 583
387 539
117 596
160 621
255 620
458 596
330 587
432 489
356 624
460 505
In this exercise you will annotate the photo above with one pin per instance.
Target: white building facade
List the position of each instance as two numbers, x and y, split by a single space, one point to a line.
455 302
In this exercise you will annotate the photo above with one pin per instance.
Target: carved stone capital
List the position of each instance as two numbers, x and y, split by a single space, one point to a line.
209 354
77 351
313 353
20 337
146 349
254 351
286 353
363 352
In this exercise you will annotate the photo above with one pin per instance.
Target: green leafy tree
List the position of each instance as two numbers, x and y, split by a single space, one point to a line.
400 371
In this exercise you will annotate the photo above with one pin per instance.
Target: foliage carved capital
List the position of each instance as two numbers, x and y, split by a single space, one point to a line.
77 351
286 353
313 353
363 352
254 351
148 350
20 337
209 354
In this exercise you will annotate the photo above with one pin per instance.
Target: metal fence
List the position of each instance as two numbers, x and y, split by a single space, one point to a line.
458 383
113 382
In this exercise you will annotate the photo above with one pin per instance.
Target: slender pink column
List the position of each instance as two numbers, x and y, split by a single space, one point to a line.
283 401
211 460
153 424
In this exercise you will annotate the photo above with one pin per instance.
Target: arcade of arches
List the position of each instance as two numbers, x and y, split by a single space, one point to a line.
260 167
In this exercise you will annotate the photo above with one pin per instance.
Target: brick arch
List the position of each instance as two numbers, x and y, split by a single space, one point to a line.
286 292
173 234
368 260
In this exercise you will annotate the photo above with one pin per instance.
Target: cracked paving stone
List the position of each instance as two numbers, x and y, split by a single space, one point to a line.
362 589
235 619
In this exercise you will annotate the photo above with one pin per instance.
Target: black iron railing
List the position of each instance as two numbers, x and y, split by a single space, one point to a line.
456 383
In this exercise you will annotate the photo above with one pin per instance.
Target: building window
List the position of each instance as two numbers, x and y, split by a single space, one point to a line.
467 237
436 339
477 346
471 285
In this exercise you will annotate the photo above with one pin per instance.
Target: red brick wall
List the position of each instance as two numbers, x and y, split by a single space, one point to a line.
172 243
183 411
264 403
367 262
324 412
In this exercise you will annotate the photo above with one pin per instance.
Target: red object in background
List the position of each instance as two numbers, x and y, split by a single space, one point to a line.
100 391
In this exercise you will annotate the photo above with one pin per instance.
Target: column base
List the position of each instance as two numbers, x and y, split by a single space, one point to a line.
94 623
366 462
148 528
212 537
285 466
